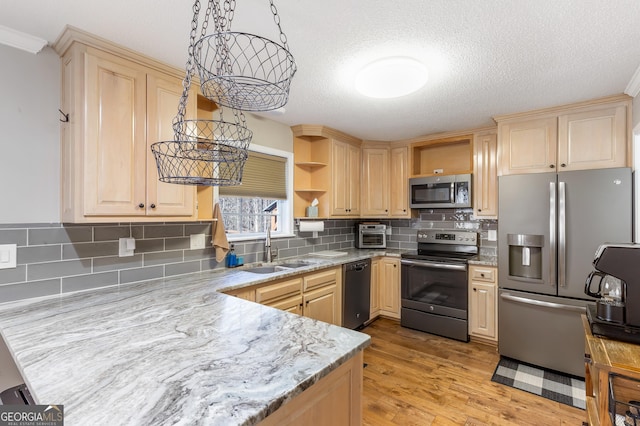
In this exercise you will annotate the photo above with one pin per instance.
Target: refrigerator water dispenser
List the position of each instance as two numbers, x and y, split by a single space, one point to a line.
525 255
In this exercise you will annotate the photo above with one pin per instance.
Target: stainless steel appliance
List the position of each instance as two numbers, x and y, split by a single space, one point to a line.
617 312
356 293
551 224
371 235
451 191
434 284
17 395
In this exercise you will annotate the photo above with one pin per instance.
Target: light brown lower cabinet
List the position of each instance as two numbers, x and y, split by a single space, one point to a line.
483 306
334 400
374 307
385 288
390 287
316 295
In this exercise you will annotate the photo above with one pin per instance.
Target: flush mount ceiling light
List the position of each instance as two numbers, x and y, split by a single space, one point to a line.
391 77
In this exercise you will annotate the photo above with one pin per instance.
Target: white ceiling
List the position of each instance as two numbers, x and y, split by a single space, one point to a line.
485 57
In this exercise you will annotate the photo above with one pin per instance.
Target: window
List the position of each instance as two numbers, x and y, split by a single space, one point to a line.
263 199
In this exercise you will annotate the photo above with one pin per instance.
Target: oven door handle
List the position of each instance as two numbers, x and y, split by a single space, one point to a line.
434 265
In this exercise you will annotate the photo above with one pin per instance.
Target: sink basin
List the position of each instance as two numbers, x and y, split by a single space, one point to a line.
284 266
266 269
295 264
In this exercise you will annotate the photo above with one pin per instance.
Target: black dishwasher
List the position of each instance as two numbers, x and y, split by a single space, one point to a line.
356 293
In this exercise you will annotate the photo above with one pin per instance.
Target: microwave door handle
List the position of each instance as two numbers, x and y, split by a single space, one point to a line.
452 192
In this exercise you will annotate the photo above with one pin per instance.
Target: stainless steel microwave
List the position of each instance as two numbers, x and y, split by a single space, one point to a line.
451 191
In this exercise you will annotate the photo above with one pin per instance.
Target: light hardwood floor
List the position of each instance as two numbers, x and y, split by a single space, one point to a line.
415 378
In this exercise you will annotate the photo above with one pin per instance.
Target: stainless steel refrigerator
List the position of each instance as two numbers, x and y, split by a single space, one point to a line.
549 227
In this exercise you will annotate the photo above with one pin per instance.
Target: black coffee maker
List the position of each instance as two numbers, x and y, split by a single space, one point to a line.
616 314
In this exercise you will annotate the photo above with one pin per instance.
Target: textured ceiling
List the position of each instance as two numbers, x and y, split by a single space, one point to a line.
485 58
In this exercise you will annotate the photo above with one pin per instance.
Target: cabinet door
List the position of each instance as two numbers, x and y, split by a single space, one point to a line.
390 287
115 145
340 184
346 179
353 182
485 185
398 183
163 96
374 308
528 146
593 139
482 310
322 304
375 182
292 304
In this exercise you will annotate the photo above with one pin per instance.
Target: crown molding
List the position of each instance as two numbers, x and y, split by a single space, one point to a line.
20 40
633 88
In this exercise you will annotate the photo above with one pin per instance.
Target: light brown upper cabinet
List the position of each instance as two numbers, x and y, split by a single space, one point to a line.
346 179
485 176
119 103
588 135
327 167
375 182
384 181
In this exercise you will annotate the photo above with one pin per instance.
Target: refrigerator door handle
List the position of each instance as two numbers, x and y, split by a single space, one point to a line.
562 246
552 233
524 300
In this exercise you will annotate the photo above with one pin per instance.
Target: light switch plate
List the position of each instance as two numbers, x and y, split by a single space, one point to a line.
197 241
8 256
492 235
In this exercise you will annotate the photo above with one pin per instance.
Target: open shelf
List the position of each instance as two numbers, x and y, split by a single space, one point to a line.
310 164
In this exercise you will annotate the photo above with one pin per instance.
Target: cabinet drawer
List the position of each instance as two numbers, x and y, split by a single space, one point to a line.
330 276
279 290
482 274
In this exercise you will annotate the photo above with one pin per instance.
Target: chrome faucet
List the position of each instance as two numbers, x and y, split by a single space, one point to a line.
268 254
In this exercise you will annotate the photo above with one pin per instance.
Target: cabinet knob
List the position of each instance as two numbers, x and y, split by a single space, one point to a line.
386 211
551 166
563 165
482 274
395 266
479 210
404 210
153 206
141 205
474 289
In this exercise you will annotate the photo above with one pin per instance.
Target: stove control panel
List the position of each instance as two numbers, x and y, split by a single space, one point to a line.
447 237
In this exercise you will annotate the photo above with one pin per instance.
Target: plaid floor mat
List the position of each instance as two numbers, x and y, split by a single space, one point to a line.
548 384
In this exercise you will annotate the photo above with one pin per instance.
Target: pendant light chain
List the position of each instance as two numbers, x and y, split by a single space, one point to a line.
276 19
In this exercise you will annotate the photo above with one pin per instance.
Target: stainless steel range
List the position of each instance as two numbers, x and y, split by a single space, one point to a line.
434 283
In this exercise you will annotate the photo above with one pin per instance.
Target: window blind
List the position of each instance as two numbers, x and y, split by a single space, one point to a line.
263 176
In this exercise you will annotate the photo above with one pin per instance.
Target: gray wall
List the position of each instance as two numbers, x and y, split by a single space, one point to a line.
30 137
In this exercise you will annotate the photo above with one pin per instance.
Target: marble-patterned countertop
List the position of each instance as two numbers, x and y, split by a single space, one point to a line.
484 260
174 350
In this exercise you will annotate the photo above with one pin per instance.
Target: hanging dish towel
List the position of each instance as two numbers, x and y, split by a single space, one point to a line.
220 243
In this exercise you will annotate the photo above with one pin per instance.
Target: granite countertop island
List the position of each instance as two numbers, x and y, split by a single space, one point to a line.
174 350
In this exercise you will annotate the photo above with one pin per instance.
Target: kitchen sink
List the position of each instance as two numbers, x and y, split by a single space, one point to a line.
266 269
295 264
284 266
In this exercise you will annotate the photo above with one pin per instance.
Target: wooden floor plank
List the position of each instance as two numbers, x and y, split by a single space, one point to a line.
415 378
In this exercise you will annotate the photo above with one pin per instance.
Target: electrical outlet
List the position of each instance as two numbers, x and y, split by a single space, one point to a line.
126 247
197 241
8 256
492 235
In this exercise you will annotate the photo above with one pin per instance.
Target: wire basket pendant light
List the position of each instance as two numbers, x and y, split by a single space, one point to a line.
241 70
203 152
